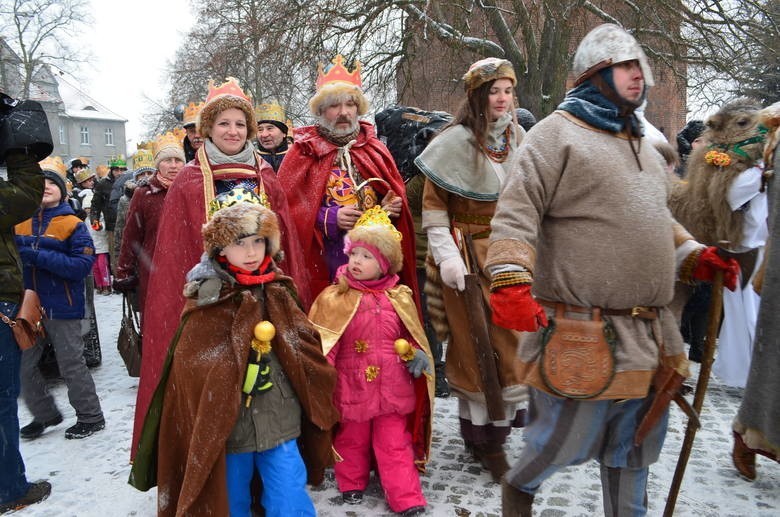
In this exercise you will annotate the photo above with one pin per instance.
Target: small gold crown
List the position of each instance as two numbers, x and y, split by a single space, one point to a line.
143 159
338 73
54 164
180 133
191 113
236 196
377 217
229 87
270 111
166 140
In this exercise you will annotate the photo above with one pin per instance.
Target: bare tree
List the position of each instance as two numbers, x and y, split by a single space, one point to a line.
273 46
42 32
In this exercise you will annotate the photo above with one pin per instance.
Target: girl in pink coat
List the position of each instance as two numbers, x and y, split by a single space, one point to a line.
372 334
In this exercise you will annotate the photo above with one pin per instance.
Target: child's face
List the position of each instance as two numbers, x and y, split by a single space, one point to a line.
362 264
246 253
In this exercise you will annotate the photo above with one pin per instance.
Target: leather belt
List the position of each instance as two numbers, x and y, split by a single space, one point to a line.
641 312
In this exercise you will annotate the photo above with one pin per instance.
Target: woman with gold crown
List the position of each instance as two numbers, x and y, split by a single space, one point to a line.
143 219
465 167
226 160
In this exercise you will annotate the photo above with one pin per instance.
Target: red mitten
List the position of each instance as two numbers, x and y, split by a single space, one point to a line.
514 308
709 262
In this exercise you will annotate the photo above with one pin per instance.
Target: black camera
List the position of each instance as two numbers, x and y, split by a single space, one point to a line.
23 125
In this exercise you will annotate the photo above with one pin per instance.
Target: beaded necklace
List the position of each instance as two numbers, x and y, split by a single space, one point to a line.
499 153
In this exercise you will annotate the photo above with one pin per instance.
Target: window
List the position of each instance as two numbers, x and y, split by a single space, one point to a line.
62 135
84 135
109 136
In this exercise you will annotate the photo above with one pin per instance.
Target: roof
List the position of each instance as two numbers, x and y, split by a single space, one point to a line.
80 105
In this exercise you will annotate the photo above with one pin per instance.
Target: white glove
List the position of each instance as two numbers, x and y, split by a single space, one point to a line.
453 273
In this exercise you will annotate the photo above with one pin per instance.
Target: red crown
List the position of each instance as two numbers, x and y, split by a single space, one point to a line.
338 73
229 87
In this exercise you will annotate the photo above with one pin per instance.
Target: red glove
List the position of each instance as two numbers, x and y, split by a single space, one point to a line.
709 262
96 225
514 308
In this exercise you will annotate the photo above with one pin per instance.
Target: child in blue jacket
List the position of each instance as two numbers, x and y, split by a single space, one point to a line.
57 255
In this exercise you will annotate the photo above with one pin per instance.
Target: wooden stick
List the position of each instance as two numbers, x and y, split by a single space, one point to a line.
715 309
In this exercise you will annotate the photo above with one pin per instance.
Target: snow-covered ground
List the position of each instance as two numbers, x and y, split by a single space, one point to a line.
89 477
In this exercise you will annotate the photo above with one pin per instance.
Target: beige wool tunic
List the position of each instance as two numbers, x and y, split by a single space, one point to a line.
594 229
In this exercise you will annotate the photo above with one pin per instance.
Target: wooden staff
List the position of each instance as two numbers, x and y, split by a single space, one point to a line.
716 306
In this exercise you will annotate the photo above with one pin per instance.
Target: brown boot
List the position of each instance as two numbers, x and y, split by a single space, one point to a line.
514 502
744 458
493 458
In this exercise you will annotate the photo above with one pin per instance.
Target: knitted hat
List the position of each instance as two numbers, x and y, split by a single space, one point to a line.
525 118
235 222
167 146
486 70
228 95
374 231
335 82
692 130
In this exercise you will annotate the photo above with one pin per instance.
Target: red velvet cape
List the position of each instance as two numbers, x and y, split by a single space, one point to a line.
304 174
179 247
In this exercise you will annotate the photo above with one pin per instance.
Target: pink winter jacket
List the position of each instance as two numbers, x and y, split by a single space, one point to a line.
372 378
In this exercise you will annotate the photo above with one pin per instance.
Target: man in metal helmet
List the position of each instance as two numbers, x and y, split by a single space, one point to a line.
585 252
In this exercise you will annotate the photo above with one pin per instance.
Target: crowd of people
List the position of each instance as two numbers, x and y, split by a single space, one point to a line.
277 270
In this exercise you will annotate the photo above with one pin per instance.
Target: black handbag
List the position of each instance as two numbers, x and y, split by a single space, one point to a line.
129 340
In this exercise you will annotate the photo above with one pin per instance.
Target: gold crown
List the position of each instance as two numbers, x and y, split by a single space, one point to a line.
229 88
270 111
166 140
54 164
236 196
143 159
180 133
377 217
191 113
146 144
338 73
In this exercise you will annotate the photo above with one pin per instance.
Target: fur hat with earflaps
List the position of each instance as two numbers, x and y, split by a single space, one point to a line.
376 233
220 98
240 213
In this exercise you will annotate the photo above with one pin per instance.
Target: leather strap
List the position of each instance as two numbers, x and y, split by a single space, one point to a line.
645 313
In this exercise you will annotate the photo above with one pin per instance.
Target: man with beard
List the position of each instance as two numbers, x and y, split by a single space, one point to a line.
272 132
340 161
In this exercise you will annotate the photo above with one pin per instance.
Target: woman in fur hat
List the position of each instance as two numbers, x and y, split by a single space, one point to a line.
465 167
226 160
143 219
266 392
371 333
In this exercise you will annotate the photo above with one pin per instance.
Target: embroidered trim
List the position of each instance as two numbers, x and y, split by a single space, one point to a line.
510 278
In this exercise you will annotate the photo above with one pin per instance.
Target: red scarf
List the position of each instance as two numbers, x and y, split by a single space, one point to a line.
261 275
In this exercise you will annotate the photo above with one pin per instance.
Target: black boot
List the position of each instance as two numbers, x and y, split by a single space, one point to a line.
493 458
514 502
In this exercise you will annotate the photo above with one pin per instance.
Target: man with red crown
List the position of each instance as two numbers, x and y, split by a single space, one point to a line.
337 169
226 163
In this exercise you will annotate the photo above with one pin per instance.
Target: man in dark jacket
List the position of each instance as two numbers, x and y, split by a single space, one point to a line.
57 254
19 196
106 199
272 132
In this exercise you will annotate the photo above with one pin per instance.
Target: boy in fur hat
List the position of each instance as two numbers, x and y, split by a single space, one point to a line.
266 393
367 322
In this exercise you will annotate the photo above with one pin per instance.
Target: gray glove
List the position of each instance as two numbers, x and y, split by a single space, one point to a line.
418 364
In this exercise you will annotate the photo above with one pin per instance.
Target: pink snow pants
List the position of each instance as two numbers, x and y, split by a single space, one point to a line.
387 436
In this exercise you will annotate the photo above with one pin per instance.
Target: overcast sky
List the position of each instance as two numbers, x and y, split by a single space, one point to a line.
131 42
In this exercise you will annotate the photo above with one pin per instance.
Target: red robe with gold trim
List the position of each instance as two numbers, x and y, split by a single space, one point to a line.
179 247
304 174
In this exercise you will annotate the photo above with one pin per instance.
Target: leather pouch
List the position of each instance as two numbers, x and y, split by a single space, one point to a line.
578 356
28 325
